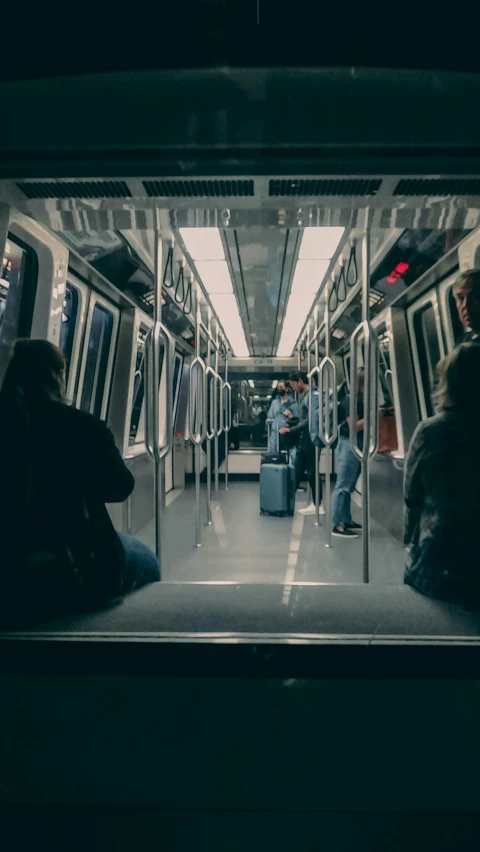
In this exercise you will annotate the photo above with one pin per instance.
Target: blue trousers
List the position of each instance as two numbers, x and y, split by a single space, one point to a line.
141 564
348 471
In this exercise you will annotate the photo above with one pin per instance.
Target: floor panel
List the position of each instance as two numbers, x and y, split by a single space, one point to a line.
243 546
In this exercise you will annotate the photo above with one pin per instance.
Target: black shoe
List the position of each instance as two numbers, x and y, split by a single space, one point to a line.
345 533
353 526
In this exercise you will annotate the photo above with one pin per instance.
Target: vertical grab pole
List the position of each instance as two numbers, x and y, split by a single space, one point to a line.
216 404
226 415
327 437
202 414
209 443
370 396
156 337
309 369
317 449
367 403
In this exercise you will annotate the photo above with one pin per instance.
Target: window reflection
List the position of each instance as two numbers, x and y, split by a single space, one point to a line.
96 366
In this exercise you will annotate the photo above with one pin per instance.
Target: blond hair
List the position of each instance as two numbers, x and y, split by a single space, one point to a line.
459 377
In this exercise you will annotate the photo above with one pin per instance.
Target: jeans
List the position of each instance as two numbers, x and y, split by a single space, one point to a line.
141 564
348 470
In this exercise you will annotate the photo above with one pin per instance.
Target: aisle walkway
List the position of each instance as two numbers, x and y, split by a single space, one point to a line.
244 547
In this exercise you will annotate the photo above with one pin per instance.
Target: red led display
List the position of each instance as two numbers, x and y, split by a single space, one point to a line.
397 273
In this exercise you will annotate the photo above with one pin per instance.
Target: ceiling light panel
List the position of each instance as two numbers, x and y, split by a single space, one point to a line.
308 276
320 243
215 276
203 243
251 383
226 308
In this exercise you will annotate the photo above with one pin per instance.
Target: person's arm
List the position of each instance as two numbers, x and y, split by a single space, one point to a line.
102 472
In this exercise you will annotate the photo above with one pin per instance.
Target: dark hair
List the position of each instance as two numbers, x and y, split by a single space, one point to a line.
459 373
299 375
33 374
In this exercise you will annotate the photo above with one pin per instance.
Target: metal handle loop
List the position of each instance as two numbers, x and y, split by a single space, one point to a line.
211 416
197 411
148 366
169 357
227 402
218 405
311 374
371 365
327 437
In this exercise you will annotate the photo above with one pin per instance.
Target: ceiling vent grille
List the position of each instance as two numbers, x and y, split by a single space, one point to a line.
199 188
76 189
324 187
438 186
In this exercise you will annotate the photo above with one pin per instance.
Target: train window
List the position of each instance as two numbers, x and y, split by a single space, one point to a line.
458 329
137 431
97 360
18 283
429 351
69 322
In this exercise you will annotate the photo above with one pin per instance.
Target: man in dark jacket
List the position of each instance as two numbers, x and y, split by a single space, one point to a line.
306 450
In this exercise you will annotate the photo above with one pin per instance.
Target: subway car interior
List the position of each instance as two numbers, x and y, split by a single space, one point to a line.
274 282
280 687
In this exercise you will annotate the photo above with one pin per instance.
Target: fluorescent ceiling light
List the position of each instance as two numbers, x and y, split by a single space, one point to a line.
226 308
215 276
320 243
203 243
308 277
251 383
274 383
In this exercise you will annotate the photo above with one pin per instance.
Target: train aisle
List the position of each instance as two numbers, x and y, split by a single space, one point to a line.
243 546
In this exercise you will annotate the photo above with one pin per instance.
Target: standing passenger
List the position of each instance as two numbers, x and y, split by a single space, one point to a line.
348 466
306 448
467 297
57 540
442 487
277 417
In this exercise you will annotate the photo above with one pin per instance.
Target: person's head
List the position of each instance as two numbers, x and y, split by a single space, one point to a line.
36 373
467 297
459 373
299 381
282 387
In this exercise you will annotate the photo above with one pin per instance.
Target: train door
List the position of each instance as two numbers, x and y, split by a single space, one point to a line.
169 460
72 331
98 356
18 284
426 339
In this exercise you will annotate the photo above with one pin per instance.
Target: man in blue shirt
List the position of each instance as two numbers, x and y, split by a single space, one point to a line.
276 416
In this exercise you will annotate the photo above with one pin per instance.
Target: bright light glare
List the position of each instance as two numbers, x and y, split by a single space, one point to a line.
226 308
308 277
215 276
203 243
320 243
274 383
251 383
295 316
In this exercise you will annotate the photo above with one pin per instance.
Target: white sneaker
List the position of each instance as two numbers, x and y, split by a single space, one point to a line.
311 509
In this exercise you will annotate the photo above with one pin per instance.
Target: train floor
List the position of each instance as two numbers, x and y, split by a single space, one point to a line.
245 547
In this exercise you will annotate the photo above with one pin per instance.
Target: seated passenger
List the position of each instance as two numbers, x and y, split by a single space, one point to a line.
442 487
58 543
347 465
